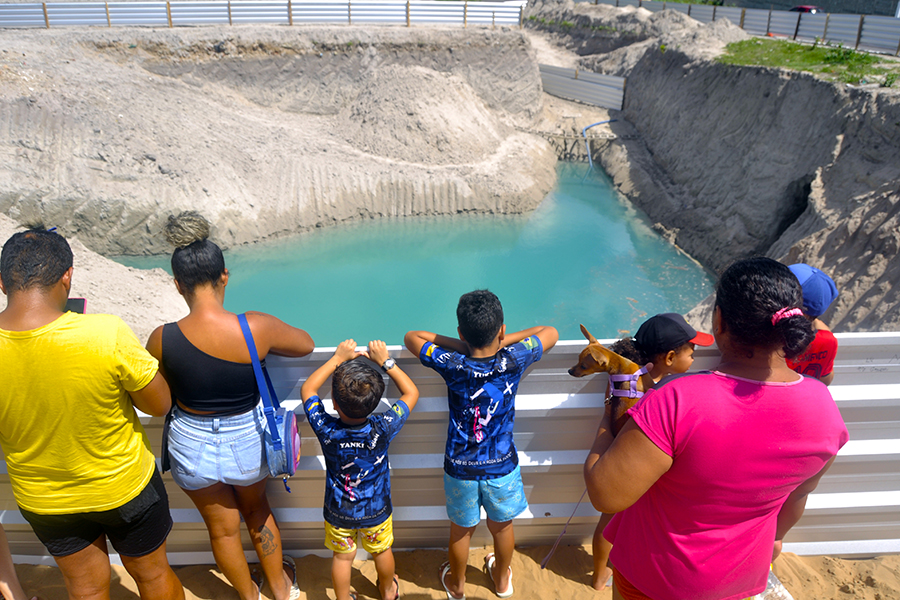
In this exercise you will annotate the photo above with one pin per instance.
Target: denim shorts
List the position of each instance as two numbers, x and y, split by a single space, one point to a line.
205 450
503 498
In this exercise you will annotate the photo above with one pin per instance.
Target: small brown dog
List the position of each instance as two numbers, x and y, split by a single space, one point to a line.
597 358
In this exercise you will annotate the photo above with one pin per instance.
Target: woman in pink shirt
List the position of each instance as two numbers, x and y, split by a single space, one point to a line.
714 468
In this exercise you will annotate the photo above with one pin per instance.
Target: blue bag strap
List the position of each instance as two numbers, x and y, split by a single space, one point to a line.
263 382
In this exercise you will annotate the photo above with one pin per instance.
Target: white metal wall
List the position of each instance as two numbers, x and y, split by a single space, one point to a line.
279 12
607 91
854 512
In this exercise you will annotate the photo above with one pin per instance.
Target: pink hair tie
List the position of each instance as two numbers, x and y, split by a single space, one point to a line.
784 313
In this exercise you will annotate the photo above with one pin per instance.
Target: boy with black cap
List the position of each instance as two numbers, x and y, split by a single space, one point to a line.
819 291
667 341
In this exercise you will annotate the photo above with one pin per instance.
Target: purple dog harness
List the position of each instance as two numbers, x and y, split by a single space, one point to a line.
632 391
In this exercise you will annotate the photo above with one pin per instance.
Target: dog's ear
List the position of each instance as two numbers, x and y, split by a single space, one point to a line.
587 335
600 356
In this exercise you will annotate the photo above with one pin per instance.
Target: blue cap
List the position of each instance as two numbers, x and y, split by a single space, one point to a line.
819 290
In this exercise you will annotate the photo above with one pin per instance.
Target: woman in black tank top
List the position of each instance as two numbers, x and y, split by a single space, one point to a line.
207 364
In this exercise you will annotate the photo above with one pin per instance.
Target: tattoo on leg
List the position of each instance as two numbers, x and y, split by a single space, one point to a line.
267 541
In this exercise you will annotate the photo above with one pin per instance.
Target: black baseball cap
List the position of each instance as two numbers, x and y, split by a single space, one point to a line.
668 331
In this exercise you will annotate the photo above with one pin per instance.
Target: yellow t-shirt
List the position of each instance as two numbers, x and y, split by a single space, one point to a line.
72 440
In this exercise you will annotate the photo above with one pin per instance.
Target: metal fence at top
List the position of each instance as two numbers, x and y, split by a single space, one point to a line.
275 12
861 32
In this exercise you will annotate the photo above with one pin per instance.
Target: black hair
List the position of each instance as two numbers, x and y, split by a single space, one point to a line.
750 292
480 317
626 348
357 388
196 260
35 257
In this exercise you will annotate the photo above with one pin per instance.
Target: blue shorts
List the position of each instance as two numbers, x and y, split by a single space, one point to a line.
503 498
205 450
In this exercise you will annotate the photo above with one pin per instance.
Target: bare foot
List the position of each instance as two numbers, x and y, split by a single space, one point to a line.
602 579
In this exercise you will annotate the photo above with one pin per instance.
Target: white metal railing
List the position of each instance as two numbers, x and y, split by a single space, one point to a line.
278 12
862 32
854 512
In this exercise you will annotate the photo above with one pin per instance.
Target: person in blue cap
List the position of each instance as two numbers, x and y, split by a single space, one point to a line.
819 291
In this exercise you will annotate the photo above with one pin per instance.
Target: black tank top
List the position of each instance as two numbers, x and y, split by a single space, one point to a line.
205 383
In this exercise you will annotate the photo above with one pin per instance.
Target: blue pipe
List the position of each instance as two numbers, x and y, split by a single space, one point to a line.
587 144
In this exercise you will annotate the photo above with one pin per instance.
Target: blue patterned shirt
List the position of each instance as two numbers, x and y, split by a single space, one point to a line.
481 395
357 475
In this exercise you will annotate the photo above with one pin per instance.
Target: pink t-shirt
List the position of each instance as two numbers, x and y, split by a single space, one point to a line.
705 530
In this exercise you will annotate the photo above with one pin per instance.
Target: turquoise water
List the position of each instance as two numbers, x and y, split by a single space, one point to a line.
581 257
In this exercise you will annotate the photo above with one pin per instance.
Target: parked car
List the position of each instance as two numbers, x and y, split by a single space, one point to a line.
808 8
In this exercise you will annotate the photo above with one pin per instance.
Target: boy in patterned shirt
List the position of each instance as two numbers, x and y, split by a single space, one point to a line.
355 445
482 370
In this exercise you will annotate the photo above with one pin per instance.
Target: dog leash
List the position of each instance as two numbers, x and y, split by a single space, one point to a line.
632 391
559 539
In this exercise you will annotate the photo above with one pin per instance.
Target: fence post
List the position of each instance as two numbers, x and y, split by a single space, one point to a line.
169 13
797 28
229 13
769 21
522 16
46 18
108 21
825 31
493 19
859 32
714 12
349 14
743 14
465 14
290 13
407 13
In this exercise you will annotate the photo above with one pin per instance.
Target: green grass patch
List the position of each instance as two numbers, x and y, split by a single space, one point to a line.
833 63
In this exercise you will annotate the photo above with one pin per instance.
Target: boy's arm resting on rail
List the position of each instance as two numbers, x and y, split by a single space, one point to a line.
618 470
409 393
547 334
414 341
345 351
793 507
274 336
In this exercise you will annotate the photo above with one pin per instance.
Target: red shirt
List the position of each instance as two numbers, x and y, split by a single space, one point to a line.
818 359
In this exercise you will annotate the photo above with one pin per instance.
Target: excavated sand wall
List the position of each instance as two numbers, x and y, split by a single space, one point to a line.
266 130
738 161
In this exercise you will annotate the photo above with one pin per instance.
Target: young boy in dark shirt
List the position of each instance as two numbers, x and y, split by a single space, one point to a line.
355 445
482 370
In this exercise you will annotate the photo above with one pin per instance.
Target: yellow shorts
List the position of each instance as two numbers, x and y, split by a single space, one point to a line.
374 540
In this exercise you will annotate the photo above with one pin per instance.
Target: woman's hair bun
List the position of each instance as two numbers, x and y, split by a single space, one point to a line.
186 228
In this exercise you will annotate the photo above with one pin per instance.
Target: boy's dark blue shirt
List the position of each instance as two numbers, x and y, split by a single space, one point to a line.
357 478
481 395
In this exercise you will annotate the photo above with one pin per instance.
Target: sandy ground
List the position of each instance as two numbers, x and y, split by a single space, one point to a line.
567 576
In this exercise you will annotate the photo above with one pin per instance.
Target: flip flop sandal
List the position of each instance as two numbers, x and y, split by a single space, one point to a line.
445 568
288 561
490 560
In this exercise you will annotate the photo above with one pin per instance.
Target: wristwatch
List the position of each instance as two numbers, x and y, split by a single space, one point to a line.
389 364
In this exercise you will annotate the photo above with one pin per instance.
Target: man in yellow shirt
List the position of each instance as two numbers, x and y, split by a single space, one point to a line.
78 458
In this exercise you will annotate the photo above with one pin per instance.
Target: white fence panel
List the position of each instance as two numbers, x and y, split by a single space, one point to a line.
783 23
199 13
703 13
881 34
78 14
148 14
756 21
812 26
731 13
324 11
248 12
842 29
384 13
22 15
591 88
422 12
492 13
